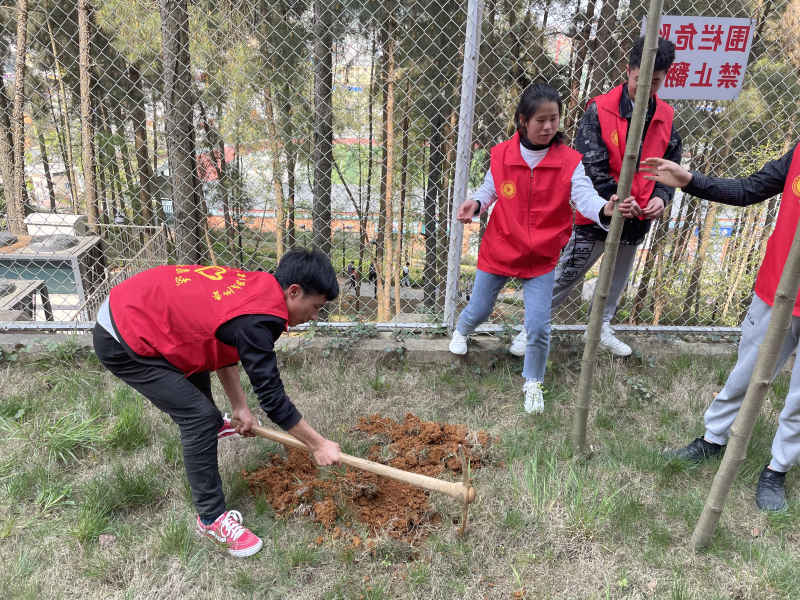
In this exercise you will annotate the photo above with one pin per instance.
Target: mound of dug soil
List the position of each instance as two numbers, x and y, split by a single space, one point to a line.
293 484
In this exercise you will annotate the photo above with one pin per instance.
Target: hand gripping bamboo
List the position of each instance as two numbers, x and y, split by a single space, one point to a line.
463 492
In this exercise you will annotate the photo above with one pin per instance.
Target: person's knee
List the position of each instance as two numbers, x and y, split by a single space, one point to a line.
538 334
206 419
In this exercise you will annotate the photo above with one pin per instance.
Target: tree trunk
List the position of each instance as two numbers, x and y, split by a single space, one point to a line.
741 264
403 178
179 118
763 373
16 202
87 114
384 250
431 195
291 179
155 131
138 121
629 166
110 152
69 166
7 152
605 31
573 103
323 126
277 184
699 258
445 202
51 192
649 268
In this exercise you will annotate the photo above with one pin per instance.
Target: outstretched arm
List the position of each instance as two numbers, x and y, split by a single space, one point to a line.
763 184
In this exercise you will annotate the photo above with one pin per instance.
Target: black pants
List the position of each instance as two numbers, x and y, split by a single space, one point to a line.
188 402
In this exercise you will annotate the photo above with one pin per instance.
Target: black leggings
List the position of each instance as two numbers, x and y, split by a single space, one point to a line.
189 403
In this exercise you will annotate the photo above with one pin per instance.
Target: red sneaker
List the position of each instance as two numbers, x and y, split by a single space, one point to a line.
228 529
227 429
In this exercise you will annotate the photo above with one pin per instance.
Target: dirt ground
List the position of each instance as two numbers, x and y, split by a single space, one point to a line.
295 486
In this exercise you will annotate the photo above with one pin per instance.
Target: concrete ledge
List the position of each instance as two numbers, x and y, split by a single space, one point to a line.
484 349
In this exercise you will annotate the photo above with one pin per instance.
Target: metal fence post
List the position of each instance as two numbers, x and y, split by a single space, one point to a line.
466 118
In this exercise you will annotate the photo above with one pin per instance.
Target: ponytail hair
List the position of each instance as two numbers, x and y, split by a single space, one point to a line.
532 99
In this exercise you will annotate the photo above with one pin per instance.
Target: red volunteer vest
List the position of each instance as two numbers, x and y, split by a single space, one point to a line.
781 239
532 219
174 311
614 131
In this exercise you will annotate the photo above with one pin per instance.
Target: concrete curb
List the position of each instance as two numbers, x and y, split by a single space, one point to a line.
484 349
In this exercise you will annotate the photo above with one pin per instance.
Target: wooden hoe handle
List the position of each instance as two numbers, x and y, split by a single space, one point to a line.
463 491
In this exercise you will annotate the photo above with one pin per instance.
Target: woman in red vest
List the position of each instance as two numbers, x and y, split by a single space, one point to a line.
601 138
532 177
777 176
164 330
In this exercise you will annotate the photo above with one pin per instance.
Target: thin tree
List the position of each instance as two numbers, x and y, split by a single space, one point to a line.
403 180
323 126
431 194
277 183
39 118
143 212
7 151
16 202
384 254
589 361
69 161
87 114
179 113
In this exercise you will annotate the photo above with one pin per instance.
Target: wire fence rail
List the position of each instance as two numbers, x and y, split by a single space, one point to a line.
134 134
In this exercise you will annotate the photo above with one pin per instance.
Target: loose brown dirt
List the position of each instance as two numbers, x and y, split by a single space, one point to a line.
293 484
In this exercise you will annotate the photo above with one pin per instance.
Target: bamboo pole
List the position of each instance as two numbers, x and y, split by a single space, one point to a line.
779 323
629 166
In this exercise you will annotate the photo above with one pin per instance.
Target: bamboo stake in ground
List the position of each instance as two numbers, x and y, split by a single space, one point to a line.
463 492
779 323
629 165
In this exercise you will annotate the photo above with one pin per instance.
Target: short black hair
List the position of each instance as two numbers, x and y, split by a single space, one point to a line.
665 55
532 99
311 270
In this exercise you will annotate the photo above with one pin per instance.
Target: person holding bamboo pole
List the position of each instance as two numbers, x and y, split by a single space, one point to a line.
601 140
777 176
532 177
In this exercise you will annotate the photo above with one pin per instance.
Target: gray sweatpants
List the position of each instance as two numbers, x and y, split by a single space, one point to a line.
722 412
578 257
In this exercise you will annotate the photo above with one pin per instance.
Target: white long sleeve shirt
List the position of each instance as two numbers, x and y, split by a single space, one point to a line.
583 194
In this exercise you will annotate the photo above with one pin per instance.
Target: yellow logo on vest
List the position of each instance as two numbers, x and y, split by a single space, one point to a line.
796 186
615 138
508 189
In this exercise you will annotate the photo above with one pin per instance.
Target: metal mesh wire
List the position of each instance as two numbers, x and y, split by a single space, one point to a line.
226 133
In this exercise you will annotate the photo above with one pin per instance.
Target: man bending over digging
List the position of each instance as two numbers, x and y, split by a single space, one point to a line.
163 331
777 176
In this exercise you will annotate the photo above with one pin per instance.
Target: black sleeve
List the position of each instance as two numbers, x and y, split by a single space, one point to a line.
763 184
589 142
254 338
673 153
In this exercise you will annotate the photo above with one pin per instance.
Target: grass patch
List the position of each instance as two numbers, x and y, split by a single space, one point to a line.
82 456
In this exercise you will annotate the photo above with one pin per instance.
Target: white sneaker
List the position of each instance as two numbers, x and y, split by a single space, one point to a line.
534 400
610 342
458 345
519 344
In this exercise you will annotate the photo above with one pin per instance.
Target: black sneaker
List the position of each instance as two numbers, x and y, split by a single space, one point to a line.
696 452
770 495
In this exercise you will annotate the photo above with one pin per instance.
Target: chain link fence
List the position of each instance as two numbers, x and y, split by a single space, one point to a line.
140 133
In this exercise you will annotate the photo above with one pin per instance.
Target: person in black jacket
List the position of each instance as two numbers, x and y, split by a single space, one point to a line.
781 175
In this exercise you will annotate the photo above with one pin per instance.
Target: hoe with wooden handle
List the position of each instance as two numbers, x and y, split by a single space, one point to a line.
463 492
